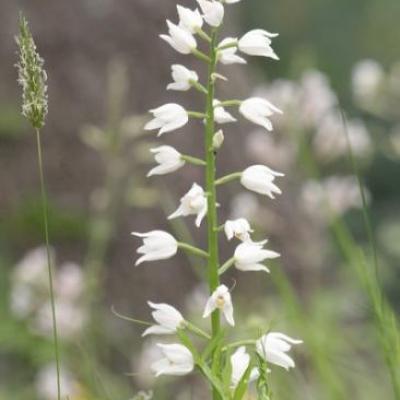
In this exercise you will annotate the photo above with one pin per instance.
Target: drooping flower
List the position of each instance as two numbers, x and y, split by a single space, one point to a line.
180 39
228 56
168 158
221 116
157 245
182 77
220 299
218 139
239 228
189 19
168 318
194 202
249 255
167 118
213 12
258 111
273 348
240 361
177 361
258 43
260 179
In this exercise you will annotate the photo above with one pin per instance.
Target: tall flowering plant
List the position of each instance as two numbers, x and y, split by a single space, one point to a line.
228 367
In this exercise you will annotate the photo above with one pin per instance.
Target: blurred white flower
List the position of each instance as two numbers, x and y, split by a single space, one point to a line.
273 348
180 39
276 151
169 319
330 140
222 116
339 193
213 12
190 20
240 361
317 98
258 43
239 228
69 282
71 319
194 202
168 158
182 77
141 363
220 299
249 255
367 79
230 1
258 111
23 300
32 269
228 56
167 118
244 204
46 383
157 245
177 361
260 179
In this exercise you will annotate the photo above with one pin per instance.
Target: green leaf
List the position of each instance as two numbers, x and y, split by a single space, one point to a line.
212 345
241 388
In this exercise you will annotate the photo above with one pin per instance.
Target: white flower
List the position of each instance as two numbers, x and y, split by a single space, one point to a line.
157 245
221 299
240 360
258 111
194 202
167 118
169 159
180 39
249 255
230 1
367 79
258 43
221 116
239 228
213 12
189 19
182 77
169 319
177 361
274 346
260 179
228 56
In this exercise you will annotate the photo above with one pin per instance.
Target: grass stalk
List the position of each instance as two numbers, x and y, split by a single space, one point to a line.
49 264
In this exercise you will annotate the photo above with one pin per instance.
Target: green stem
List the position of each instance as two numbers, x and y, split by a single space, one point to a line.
228 178
195 114
226 266
203 35
194 250
228 46
212 218
194 160
198 86
230 103
201 56
50 272
196 330
239 343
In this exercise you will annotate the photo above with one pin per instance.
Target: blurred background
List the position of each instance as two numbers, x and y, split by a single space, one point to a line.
106 68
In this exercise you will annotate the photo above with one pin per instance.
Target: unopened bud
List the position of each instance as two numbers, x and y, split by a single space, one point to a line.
218 139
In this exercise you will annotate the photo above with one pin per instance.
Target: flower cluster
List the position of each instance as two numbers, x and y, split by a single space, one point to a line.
271 348
29 295
32 77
